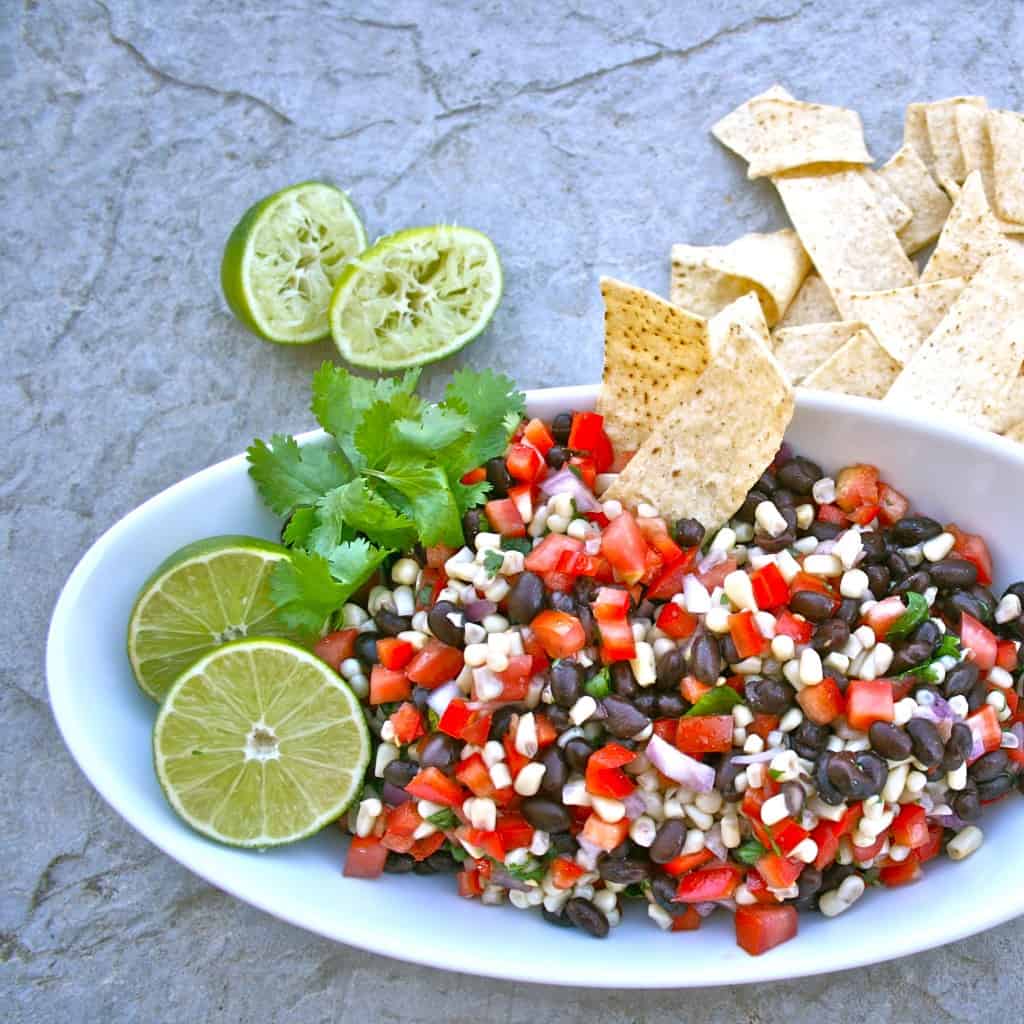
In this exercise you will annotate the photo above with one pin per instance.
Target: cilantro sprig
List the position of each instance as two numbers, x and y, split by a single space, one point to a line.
389 475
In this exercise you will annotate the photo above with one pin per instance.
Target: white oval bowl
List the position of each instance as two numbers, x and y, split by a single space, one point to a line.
951 473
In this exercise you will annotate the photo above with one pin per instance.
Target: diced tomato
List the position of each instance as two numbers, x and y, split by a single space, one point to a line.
539 436
750 642
789 625
603 834
669 581
1006 655
884 615
910 827
565 872
504 517
986 730
708 884
892 506
981 642
434 664
788 835
827 835
832 514
805 581
758 888
705 734
489 842
387 686
676 622
515 680
687 862
432 784
715 576
933 847
587 435
525 463
474 476
610 609
470 885
822 703
850 818
688 921
973 547
862 854
655 531
855 486
559 633
760 928
547 555
407 723
623 545
365 858
737 683
902 873
585 468
604 776
665 728
762 725
336 647
393 653
865 514
402 821
516 762
869 701
514 831
455 718
421 849
522 495
546 732
770 587
779 872
611 603
691 689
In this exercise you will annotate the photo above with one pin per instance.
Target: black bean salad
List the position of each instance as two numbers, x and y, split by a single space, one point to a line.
587 705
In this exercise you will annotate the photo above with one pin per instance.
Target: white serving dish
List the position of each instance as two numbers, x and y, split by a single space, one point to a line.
962 474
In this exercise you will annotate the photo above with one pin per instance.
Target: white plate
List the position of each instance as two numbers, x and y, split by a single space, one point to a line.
974 478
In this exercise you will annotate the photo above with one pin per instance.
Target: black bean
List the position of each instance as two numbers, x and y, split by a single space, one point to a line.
390 623
730 655
560 601
958 747
577 752
846 776
835 874
824 531
965 804
646 609
663 889
890 741
928 632
668 842
976 698
442 627
623 719
671 705
563 842
811 605
706 659
898 565
849 612
561 427
589 624
556 918
501 720
557 456
995 788
827 790
808 739
545 814
963 601
620 851
773 545
558 717
587 917
954 572
768 696
623 681
400 773
399 863
927 741
646 702
688 533
421 697
875 770
986 601
988 766
808 886
670 668
910 654
784 499
555 772
745 513
799 475
879 577
526 598
960 679
584 589
498 477
473 522
873 546
366 647
766 482
624 870
830 635
443 862
914 530
439 751
918 582
567 679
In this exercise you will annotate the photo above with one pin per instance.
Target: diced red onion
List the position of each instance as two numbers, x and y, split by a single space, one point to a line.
713 841
680 767
565 481
947 820
635 805
440 698
825 547
590 853
393 795
710 560
764 755
499 876
592 545
476 611
694 591
486 684
534 690
705 908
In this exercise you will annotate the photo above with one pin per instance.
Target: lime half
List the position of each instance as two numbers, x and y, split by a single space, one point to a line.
415 296
283 258
260 743
204 595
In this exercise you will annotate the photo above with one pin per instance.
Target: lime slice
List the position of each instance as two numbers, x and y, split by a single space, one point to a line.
283 258
205 594
260 743
415 297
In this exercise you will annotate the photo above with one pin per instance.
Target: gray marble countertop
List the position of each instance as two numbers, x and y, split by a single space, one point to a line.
575 134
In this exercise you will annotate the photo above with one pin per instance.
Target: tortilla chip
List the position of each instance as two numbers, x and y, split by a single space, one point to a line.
1016 432
968 366
801 350
812 304
970 237
652 350
1006 134
915 133
972 135
841 225
940 118
896 211
861 367
735 129
747 311
908 176
901 318
717 441
706 279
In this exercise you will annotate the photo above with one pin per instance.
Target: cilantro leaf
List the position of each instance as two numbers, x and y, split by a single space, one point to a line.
494 407
493 561
521 544
435 428
750 852
717 701
359 508
299 526
288 476
444 819
949 647
600 685
430 500
469 495
375 436
916 613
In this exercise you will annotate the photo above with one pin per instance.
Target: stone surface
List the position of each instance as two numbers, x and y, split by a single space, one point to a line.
133 135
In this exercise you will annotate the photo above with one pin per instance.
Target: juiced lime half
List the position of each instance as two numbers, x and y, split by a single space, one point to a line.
283 258
260 743
415 297
204 595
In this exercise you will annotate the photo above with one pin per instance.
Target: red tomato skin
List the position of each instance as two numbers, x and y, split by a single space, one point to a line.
587 435
525 463
432 784
685 862
855 486
546 556
910 827
800 630
987 732
336 647
624 546
676 622
981 642
705 734
565 872
903 873
365 858
770 587
749 640
869 701
407 723
393 653
473 774
559 633
434 664
892 506
707 884
503 515
669 581
604 776
1006 655
822 703
760 928
537 433
973 547
779 872
688 921
387 686
603 834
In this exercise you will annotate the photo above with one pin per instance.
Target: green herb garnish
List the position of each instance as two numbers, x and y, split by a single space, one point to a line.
521 544
750 852
719 701
600 685
949 647
493 561
457 852
776 774
444 819
532 870
916 613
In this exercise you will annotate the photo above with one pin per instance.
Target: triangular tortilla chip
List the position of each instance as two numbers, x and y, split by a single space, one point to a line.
719 438
844 230
915 133
973 138
812 304
1016 432
735 129
940 117
901 318
652 349
1012 410
896 211
801 350
745 310
1006 134
968 366
706 279
861 367
908 176
970 237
